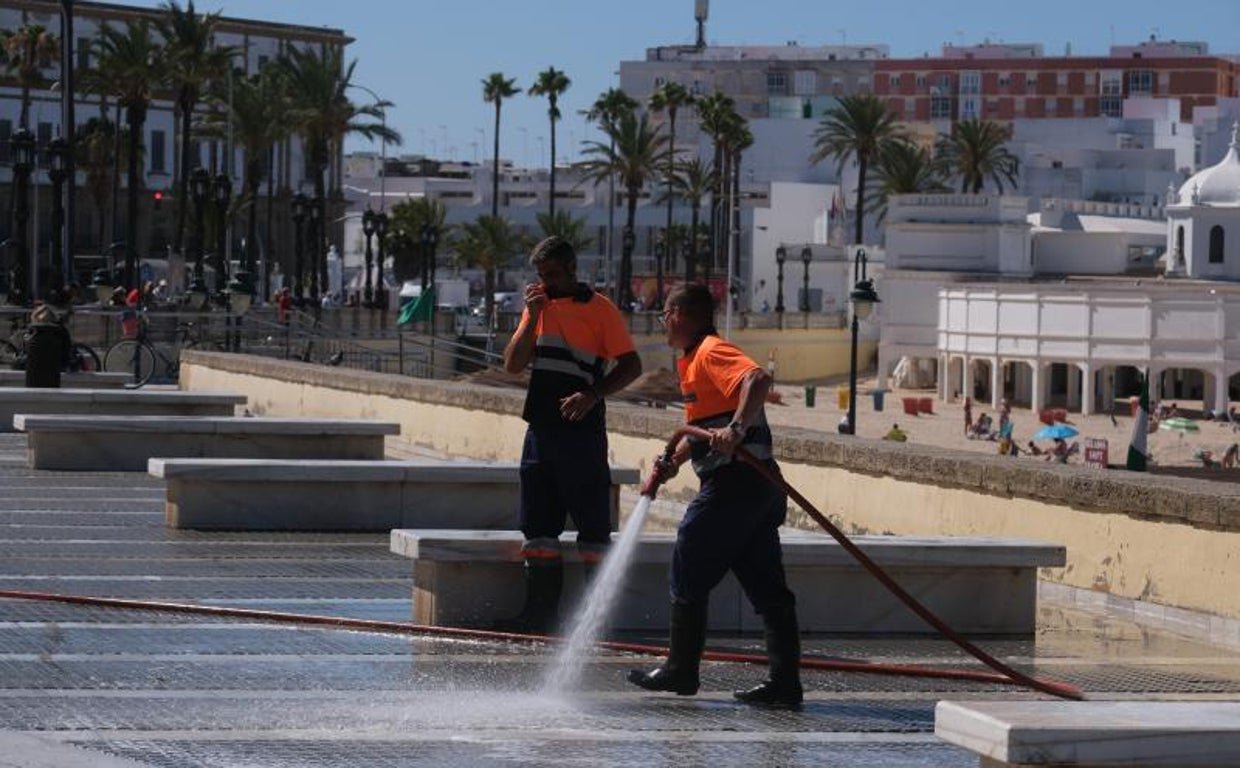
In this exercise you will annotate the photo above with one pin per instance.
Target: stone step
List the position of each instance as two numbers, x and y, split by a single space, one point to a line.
1093 733
78 380
977 585
284 495
119 402
128 443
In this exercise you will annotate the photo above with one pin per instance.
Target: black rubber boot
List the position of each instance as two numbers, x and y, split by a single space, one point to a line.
544 582
782 689
679 674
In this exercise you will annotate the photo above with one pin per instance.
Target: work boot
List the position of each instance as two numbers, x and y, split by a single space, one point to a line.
782 688
544 582
679 674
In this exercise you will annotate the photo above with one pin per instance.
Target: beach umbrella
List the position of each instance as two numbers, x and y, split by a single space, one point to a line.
1055 432
1179 424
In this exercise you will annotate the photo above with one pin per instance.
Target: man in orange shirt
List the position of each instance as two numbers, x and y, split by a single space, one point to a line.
733 524
568 333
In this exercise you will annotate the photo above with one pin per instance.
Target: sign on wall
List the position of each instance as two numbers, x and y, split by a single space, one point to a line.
1096 452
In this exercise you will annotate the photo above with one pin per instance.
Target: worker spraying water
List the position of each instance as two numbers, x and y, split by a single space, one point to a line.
733 523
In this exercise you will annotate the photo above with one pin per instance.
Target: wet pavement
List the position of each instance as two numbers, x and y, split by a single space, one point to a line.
95 686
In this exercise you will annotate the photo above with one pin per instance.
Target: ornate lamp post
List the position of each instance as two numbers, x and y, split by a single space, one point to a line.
807 255
316 215
199 186
624 291
299 220
57 160
22 144
863 299
781 255
221 191
381 228
368 229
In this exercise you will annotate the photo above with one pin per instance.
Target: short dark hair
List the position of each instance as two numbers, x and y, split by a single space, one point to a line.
555 249
694 301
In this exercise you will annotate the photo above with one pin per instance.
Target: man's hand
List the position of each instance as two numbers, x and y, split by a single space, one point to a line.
664 468
724 440
535 299
576 406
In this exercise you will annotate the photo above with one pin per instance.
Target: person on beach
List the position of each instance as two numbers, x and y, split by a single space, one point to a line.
567 335
733 523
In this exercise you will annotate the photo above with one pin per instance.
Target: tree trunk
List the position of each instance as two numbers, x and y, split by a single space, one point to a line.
185 127
859 211
551 204
495 168
691 254
136 119
626 252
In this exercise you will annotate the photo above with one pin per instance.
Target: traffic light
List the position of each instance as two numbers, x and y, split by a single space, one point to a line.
159 199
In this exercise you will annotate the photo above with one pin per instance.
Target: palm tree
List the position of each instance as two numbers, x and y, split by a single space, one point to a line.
669 97
194 62
607 109
716 113
94 157
405 235
903 169
252 114
103 79
496 88
491 242
26 50
566 226
858 127
694 181
632 155
975 151
551 83
135 57
323 115
737 139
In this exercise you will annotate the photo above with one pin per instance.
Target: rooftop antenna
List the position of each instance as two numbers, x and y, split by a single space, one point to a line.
701 9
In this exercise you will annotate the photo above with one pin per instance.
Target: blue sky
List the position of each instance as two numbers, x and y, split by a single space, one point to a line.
429 56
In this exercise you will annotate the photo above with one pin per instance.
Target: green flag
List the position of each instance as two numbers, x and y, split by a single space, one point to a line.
1138 453
420 308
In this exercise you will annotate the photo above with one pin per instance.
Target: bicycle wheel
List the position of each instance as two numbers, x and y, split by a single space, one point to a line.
83 358
125 354
9 355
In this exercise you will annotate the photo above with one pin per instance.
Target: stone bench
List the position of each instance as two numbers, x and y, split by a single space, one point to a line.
121 402
128 443
976 585
1093 733
278 495
76 380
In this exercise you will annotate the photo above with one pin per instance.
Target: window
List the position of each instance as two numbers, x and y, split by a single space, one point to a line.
1112 106
777 83
1005 80
893 82
940 107
262 61
1140 82
43 137
6 133
158 164
1179 244
921 82
805 82
971 82
83 53
1216 244
1111 83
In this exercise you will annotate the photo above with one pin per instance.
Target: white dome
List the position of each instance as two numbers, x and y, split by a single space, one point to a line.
1219 184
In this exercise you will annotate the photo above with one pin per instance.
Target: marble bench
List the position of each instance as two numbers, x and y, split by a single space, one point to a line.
120 402
75 380
279 495
977 585
1093 733
127 443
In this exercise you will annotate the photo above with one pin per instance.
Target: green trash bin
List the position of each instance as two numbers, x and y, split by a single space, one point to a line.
811 393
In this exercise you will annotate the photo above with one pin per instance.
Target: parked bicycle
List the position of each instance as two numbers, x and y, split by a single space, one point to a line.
139 357
13 351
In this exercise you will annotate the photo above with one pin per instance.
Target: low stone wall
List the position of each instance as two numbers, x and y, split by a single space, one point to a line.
1161 541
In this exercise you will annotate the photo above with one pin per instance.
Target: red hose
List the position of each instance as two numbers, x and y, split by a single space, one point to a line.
402 628
1054 688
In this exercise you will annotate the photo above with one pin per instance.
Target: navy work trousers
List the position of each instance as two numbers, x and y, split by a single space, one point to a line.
564 471
732 525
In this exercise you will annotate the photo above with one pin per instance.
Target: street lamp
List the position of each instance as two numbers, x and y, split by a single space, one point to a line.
199 186
781 255
57 171
316 215
863 299
299 220
222 194
381 228
368 229
22 144
807 255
